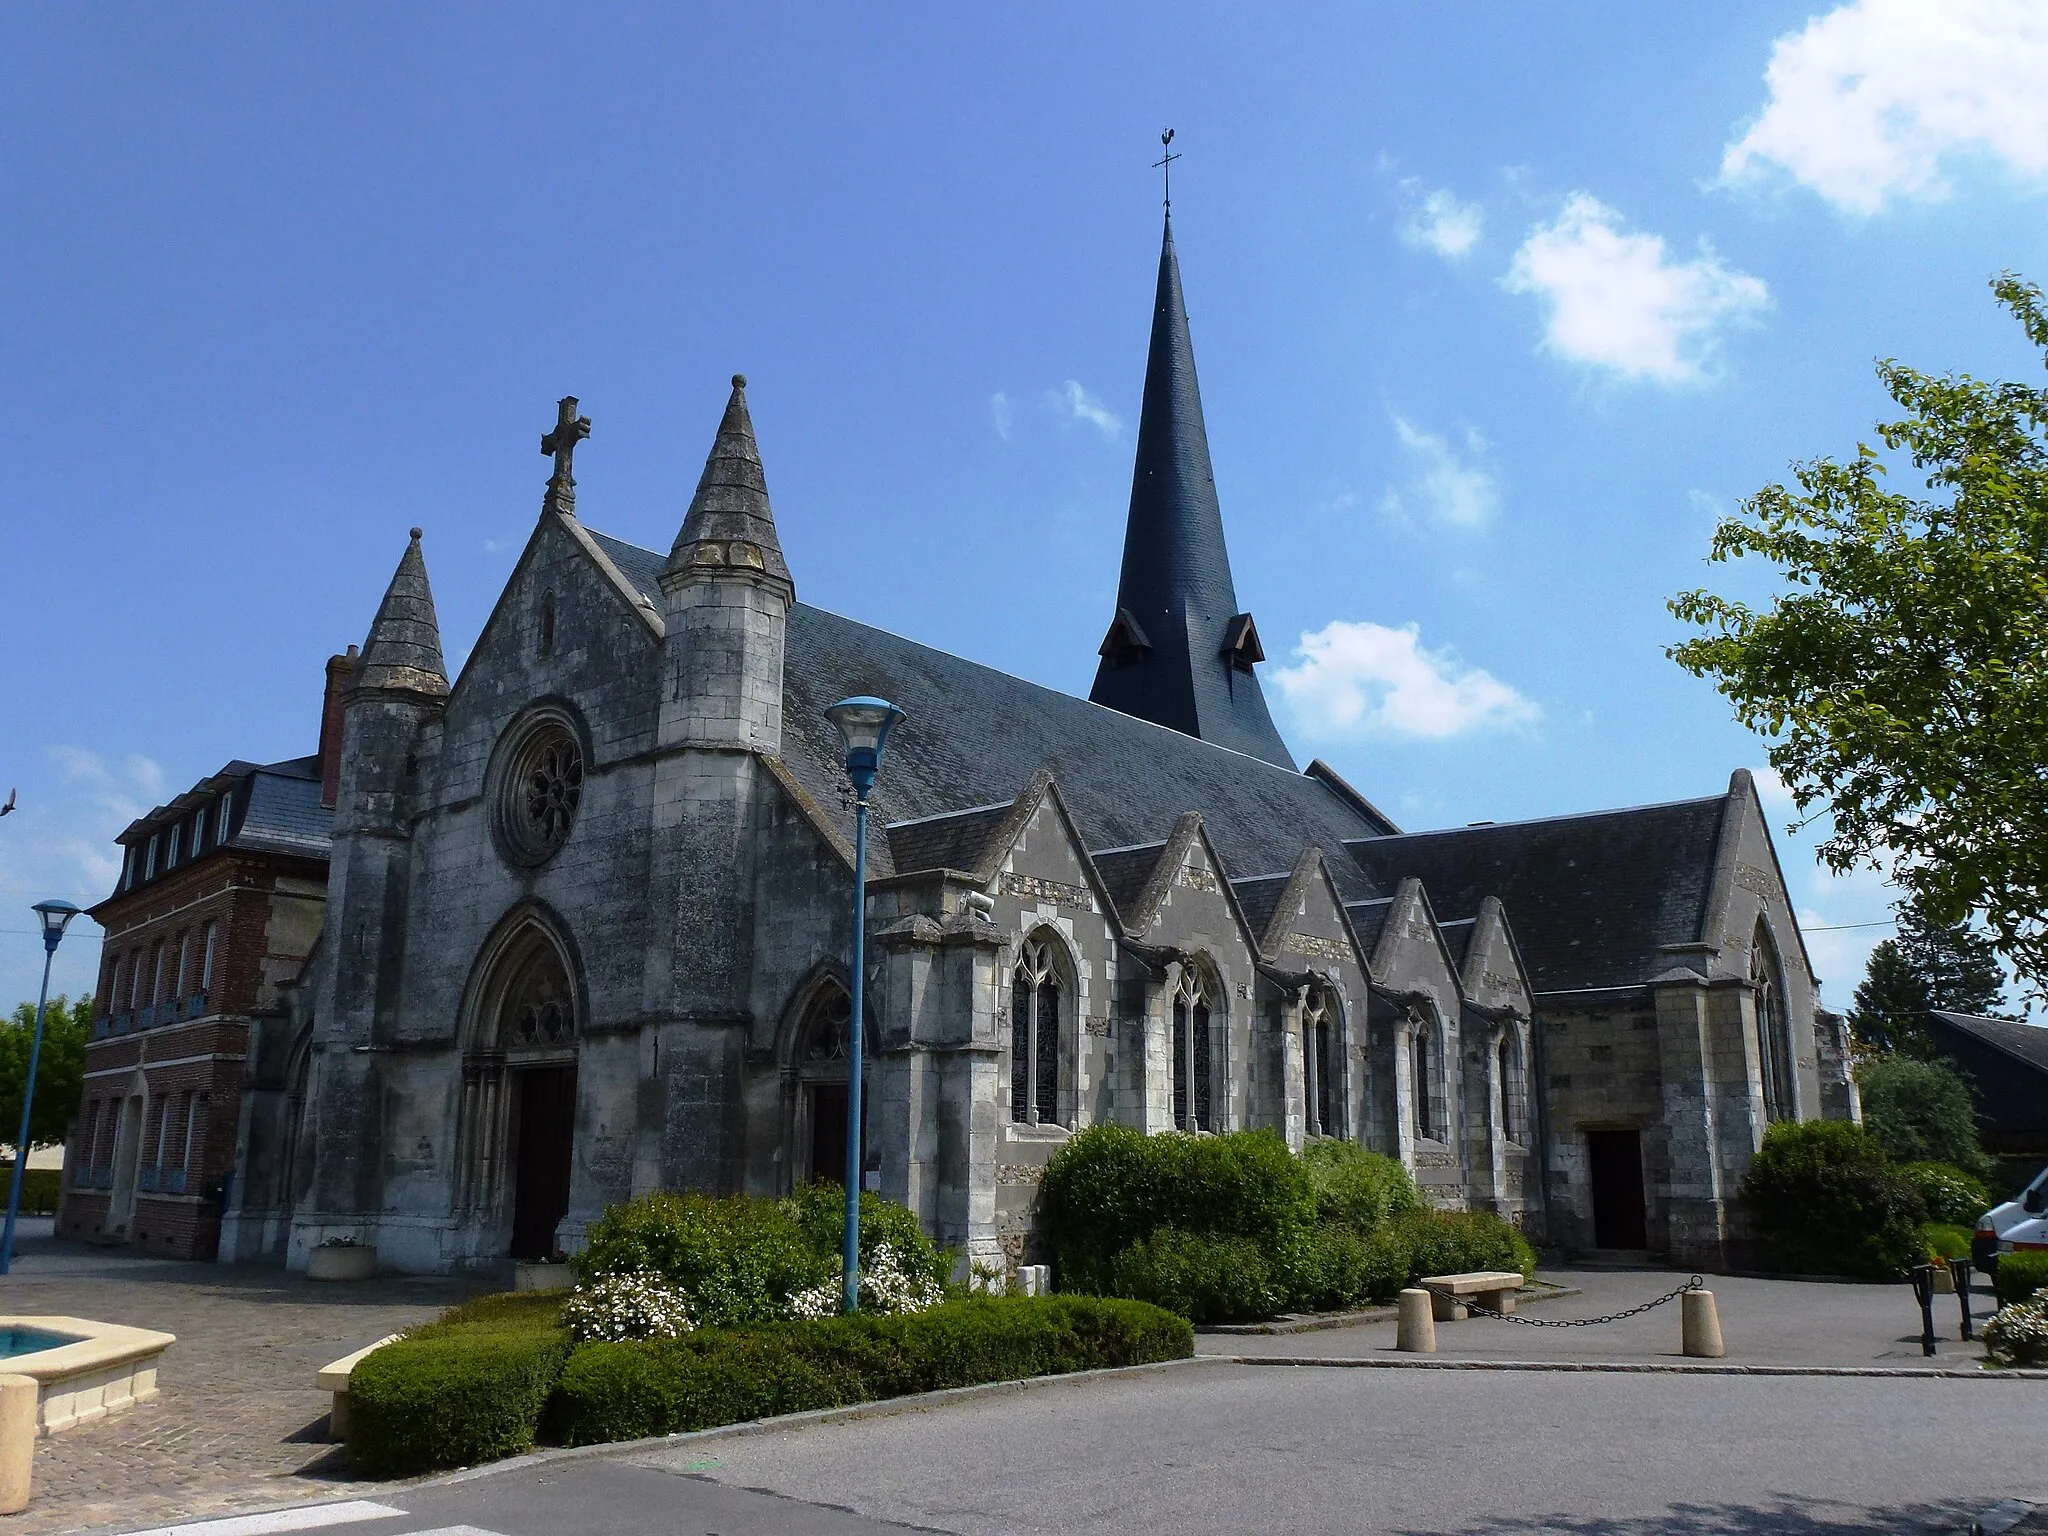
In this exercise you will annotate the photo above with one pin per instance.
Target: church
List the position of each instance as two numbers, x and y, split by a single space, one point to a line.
587 919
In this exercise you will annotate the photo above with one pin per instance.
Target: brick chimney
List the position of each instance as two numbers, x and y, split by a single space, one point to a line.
339 670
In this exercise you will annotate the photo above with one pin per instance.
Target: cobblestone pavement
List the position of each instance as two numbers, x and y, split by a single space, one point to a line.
237 1423
1763 1322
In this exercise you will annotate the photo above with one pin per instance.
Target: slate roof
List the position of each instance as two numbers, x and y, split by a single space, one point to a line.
1368 921
1175 593
284 813
1593 898
955 841
1124 872
1458 938
1258 898
2025 1042
403 649
974 737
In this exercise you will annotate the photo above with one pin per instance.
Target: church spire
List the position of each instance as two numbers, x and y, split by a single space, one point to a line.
1178 651
403 651
729 523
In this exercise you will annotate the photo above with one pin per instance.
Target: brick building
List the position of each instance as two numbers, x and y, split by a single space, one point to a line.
221 895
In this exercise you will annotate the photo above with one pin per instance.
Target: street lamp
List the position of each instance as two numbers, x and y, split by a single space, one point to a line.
864 724
56 917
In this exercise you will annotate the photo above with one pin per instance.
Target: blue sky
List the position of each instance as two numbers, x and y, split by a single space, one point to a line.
1496 308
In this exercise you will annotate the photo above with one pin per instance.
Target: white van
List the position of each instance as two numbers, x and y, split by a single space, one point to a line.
1998 1229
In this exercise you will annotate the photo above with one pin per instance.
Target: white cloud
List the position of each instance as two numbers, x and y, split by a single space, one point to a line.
1355 679
999 411
1442 224
1770 788
1445 487
1075 403
1873 99
1614 299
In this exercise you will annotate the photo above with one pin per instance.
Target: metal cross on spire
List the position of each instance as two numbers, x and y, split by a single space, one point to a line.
1166 165
560 444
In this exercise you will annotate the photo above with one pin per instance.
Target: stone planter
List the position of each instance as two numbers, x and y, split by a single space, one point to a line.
1944 1281
357 1261
542 1277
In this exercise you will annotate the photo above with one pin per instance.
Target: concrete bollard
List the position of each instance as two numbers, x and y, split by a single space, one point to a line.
1415 1332
1699 1326
17 1441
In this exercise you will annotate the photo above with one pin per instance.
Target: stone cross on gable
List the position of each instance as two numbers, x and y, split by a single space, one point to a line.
560 444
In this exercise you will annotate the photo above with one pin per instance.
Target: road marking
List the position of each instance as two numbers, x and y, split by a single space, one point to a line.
307 1517
454 1530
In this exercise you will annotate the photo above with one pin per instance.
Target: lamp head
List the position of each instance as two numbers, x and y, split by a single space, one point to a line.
56 916
864 724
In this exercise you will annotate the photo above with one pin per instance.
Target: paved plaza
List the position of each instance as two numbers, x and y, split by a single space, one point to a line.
237 1422
1208 1446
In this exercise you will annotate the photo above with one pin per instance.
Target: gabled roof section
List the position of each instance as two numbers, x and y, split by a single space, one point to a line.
1194 675
1263 897
1369 920
403 651
2025 1043
1595 897
956 840
1125 872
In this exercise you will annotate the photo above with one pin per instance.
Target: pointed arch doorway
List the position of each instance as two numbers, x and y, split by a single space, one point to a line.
519 1093
823 1048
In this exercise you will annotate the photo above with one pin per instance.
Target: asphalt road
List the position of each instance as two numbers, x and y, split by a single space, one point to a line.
1215 1447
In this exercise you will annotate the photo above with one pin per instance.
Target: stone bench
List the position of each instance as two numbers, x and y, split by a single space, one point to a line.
334 1377
1491 1288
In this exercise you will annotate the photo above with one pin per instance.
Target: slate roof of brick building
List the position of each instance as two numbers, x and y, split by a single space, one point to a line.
2025 1042
974 736
284 814
1593 897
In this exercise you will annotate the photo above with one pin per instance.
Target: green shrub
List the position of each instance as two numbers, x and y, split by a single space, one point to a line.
1110 1186
628 1391
1920 1112
1825 1200
1944 1240
2020 1276
1204 1279
39 1186
467 1388
820 1211
737 1258
1950 1195
1356 1188
1453 1242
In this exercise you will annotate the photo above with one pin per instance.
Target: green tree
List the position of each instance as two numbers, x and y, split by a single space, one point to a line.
1921 1112
1900 673
60 1072
1955 963
1889 1010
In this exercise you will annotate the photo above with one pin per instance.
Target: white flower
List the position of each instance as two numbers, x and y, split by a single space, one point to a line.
887 1285
2018 1334
633 1306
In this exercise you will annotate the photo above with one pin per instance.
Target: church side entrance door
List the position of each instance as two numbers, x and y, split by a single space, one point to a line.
1617 1175
828 1133
547 1136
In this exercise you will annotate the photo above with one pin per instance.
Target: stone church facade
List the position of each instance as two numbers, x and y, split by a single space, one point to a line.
588 907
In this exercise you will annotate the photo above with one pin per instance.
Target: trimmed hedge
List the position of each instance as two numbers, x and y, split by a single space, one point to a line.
470 1387
1944 1240
1356 1188
39 1187
2020 1276
1111 1185
630 1391
1826 1200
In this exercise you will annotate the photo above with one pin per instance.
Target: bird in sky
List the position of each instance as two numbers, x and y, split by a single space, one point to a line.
4 809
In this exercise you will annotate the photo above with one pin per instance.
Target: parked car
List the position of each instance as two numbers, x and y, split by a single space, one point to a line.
1998 1225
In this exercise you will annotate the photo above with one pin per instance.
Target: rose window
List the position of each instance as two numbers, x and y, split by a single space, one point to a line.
540 793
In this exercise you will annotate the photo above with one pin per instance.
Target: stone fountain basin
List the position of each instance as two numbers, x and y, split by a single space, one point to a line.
104 1368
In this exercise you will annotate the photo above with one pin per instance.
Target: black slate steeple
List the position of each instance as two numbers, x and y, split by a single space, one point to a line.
1178 651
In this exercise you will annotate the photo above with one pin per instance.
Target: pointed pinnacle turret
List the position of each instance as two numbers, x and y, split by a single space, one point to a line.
403 651
729 525
1179 652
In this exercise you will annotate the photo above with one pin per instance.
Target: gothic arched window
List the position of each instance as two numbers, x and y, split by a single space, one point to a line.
1035 1036
1423 1048
1193 1100
1324 1060
547 623
1773 1038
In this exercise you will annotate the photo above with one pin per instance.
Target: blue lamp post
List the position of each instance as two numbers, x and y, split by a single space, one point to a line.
864 724
56 916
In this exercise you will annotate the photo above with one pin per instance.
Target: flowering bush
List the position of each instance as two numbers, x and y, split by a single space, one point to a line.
2018 1335
620 1307
1950 1195
888 1285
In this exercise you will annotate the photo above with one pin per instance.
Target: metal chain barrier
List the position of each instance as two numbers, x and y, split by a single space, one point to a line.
1694 1284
